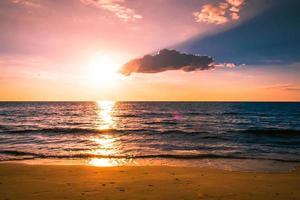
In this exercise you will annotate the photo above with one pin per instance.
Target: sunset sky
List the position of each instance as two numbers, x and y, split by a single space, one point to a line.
73 49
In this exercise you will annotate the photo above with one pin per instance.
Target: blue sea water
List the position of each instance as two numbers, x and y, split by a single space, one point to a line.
186 132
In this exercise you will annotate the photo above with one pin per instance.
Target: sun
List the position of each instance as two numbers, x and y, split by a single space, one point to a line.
103 69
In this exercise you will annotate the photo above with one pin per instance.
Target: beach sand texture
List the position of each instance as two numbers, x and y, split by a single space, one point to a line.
20 181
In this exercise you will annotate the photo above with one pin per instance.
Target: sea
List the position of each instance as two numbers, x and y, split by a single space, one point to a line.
243 136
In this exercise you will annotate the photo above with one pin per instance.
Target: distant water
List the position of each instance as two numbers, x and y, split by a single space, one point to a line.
189 132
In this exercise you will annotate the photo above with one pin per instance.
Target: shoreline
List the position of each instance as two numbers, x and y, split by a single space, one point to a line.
142 182
234 165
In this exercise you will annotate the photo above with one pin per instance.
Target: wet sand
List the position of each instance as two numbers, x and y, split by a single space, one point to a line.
20 181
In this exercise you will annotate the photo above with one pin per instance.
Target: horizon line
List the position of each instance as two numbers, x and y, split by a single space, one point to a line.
142 101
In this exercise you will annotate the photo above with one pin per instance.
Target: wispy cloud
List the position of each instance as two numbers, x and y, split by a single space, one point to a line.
285 87
117 7
31 3
220 13
226 65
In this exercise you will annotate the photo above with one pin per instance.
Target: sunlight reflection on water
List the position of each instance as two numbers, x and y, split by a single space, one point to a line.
105 120
106 144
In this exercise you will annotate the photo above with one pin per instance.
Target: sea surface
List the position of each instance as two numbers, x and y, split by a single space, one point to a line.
245 136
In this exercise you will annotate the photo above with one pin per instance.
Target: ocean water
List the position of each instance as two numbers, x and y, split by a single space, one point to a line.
228 135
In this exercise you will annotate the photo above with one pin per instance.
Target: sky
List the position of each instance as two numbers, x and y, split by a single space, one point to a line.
84 50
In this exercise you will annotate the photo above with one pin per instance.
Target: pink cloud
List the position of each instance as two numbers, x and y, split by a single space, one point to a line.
234 9
284 87
221 13
212 14
236 3
227 65
117 7
31 3
234 16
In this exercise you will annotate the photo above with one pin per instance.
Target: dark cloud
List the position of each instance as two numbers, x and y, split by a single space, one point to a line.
166 60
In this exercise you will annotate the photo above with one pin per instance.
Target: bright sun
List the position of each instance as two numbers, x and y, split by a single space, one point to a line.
103 69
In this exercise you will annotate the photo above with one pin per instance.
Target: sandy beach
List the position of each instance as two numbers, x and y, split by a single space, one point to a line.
21 181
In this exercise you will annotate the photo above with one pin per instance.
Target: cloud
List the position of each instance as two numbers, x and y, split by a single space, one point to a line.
221 13
284 87
227 65
234 16
166 60
31 3
115 6
235 3
211 14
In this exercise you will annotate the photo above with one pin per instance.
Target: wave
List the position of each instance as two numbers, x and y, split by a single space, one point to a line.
56 131
238 113
228 135
158 156
273 132
3 128
162 123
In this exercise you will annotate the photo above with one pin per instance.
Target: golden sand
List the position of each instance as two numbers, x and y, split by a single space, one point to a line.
20 181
